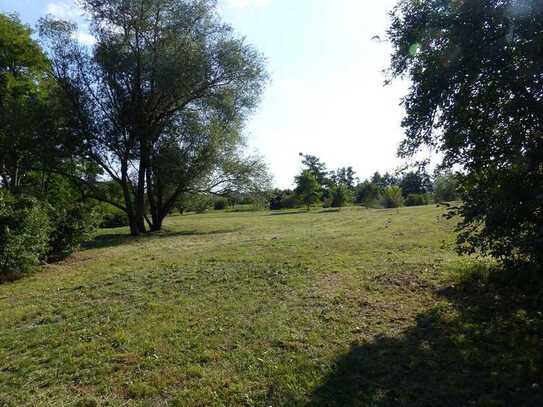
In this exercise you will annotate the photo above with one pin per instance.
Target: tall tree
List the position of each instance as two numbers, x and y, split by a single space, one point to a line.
383 181
160 100
476 68
344 176
314 165
308 188
23 68
415 183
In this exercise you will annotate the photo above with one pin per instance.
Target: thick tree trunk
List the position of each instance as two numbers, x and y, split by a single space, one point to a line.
135 229
154 202
140 200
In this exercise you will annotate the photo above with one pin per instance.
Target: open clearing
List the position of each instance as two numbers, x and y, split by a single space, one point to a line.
357 307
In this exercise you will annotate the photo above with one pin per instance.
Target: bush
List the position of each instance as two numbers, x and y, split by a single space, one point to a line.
201 204
284 200
70 227
445 188
24 232
392 197
367 194
198 203
416 200
220 204
340 196
113 217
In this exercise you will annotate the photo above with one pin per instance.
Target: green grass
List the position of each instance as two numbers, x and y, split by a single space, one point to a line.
328 308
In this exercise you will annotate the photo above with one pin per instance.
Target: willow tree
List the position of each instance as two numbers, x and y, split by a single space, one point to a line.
476 68
160 100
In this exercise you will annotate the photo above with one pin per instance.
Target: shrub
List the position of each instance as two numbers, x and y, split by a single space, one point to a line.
445 188
113 217
24 231
201 204
392 197
284 200
198 203
308 188
220 204
416 200
340 196
367 194
70 227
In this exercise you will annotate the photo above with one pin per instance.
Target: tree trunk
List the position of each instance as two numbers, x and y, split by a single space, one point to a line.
135 230
140 199
154 202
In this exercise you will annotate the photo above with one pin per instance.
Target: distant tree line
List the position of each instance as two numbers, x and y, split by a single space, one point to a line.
315 185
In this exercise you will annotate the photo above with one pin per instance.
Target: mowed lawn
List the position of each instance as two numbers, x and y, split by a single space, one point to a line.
327 308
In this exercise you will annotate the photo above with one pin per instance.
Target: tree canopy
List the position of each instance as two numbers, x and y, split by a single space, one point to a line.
476 68
23 89
308 188
160 101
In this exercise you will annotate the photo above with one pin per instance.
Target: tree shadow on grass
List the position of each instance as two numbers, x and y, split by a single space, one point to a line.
486 349
289 213
329 210
313 212
119 239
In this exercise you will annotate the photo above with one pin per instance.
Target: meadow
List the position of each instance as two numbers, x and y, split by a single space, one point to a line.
351 307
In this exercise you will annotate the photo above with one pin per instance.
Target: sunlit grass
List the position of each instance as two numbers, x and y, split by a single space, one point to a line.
248 308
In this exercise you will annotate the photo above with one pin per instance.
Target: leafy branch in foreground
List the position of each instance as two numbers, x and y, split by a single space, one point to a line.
477 86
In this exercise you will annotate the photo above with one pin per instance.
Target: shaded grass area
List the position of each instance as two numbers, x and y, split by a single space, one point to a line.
359 307
482 347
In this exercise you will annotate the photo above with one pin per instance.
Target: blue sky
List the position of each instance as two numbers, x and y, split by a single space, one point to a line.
326 96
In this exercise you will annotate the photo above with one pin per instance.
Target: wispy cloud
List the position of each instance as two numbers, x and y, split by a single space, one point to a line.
84 38
66 10
247 3
69 10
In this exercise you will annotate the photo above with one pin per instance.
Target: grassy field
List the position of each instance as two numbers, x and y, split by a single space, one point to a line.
357 307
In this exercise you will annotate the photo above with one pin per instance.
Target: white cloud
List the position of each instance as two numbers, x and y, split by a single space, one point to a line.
84 38
247 3
66 10
69 10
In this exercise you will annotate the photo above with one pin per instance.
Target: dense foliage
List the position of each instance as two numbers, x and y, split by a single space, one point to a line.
112 217
476 68
391 197
416 200
24 234
341 195
445 188
220 204
308 188
368 194
23 91
71 226
284 199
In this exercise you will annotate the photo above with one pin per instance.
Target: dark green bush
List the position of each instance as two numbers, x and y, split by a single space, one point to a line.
367 193
70 227
24 232
198 203
284 199
446 188
340 196
290 202
113 217
392 197
220 204
416 200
